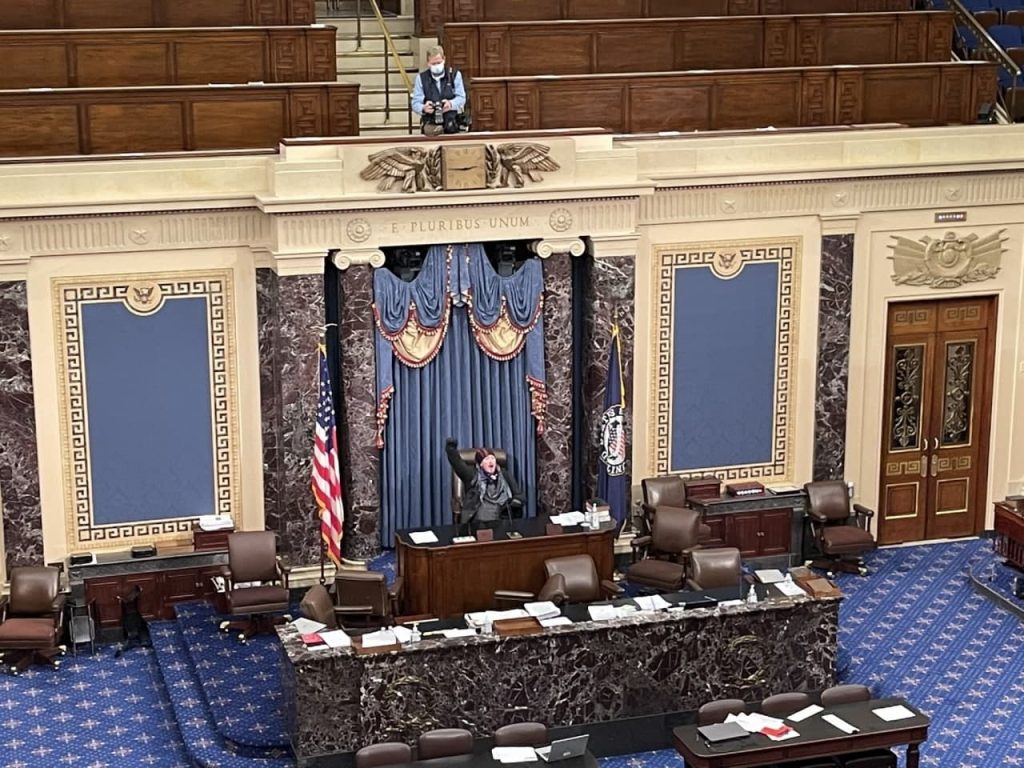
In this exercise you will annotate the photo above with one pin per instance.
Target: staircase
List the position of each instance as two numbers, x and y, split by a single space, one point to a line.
365 64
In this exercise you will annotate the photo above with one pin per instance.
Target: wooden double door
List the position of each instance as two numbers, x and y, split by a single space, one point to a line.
938 394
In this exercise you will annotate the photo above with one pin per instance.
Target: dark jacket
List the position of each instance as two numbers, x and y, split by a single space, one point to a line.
467 472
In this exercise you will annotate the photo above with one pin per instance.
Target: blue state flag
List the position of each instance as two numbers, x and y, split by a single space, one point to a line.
611 465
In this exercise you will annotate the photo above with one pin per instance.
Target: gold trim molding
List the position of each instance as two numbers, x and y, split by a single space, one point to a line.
142 294
726 260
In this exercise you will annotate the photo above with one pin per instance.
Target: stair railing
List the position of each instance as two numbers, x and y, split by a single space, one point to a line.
390 52
990 50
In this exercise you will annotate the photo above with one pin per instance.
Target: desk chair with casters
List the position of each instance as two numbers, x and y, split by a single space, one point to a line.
717 567
318 606
252 559
843 537
468 455
570 579
30 618
661 560
521 735
444 742
389 753
785 704
716 711
363 600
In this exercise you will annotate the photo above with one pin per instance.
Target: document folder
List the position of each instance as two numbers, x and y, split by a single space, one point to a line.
722 732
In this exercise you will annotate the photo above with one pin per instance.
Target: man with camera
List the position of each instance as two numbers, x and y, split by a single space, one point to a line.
438 95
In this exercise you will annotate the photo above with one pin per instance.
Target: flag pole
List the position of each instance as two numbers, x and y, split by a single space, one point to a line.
321 345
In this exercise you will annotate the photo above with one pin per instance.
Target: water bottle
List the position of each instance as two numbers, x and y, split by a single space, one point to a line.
752 595
415 636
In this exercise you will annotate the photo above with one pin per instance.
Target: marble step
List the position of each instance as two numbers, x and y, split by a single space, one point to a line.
362 61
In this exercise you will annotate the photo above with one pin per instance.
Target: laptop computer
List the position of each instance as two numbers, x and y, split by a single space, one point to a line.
563 749
722 732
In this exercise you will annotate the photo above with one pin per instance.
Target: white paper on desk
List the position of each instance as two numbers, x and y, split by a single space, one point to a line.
839 723
380 638
602 612
450 633
511 613
790 734
542 610
652 602
336 638
423 537
402 634
790 589
568 518
889 714
307 626
753 722
804 713
556 621
514 754
769 576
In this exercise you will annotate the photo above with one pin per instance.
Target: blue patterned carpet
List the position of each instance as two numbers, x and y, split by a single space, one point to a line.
913 628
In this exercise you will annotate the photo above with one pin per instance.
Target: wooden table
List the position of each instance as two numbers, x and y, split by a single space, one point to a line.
817 739
447 579
1009 528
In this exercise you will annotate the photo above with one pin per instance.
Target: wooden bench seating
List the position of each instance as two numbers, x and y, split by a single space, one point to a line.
431 15
499 49
97 14
912 94
172 118
197 56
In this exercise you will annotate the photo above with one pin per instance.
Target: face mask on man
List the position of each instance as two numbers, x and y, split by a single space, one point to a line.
437 69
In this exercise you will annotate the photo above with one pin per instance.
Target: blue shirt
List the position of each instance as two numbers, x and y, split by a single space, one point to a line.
458 103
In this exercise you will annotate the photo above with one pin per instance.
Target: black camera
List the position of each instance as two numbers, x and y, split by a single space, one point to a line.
438 113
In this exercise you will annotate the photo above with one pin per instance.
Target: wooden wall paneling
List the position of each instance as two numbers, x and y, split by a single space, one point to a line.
604 9
643 47
266 11
429 17
288 58
817 99
780 43
739 7
321 55
524 106
860 39
984 88
741 101
300 12
911 95
939 36
567 50
492 49
34 65
849 95
343 111
722 43
956 102
138 125
462 49
682 106
490 105
99 14
223 121
913 39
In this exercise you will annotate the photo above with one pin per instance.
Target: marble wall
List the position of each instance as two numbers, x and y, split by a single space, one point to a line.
290 313
19 466
590 672
833 356
554 447
357 422
609 300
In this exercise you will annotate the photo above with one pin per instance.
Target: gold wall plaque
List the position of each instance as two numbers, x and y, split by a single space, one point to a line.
464 167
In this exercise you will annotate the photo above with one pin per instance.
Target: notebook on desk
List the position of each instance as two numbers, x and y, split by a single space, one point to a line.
722 732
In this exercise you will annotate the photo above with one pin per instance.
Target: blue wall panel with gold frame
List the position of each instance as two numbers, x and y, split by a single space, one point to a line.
148 405
723 346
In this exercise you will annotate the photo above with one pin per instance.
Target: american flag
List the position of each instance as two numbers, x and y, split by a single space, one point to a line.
326 476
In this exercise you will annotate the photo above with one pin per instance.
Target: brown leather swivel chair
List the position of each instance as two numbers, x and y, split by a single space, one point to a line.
843 538
30 618
718 567
444 742
362 599
252 559
785 704
317 605
666 491
468 455
717 711
521 735
389 753
660 561
845 694
574 579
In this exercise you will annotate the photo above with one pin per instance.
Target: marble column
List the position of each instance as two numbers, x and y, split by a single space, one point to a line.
610 293
19 463
554 446
834 304
290 310
357 427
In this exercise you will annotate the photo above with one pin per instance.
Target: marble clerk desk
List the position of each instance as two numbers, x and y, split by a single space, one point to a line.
588 672
447 579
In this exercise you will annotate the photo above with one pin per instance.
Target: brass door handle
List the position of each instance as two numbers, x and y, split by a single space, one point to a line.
935 447
935 465
924 465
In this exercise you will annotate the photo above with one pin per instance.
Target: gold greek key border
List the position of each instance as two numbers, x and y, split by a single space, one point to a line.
667 259
69 295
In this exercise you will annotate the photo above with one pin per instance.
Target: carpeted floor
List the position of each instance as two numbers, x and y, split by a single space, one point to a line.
913 628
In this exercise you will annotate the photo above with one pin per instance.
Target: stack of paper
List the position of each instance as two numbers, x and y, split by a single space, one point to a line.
898 712
557 621
307 626
769 576
423 537
514 754
379 639
569 518
479 618
450 633
772 727
652 603
402 634
336 638
790 589
542 610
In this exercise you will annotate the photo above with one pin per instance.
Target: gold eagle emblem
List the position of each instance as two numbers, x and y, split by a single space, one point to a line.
512 164
415 168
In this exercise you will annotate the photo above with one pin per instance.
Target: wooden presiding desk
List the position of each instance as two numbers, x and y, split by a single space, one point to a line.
817 739
447 579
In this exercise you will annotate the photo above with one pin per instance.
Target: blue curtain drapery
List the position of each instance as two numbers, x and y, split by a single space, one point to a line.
460 352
